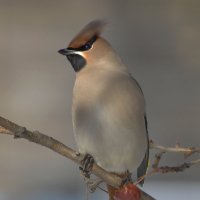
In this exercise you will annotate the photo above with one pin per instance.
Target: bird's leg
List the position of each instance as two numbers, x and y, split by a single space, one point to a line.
86 165
85 170
126 178
91 183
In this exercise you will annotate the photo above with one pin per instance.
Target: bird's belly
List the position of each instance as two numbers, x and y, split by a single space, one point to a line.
114 147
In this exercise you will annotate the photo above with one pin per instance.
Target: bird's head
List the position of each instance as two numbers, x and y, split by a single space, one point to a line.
88 48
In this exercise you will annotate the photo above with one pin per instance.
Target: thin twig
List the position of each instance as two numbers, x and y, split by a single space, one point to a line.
187 151
177 149
166 169
158 157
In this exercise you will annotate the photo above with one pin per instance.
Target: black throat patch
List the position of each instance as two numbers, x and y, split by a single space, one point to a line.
77 61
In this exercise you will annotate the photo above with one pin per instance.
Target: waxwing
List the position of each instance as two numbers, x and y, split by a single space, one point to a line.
108 111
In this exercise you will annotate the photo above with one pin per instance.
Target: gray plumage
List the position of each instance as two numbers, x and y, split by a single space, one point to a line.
108 110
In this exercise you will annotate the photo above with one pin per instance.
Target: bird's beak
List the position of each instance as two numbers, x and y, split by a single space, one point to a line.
66 51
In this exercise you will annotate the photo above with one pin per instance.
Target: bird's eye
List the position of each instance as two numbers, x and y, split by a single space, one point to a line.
87 46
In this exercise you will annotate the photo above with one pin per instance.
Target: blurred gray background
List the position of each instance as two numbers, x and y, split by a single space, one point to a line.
159 41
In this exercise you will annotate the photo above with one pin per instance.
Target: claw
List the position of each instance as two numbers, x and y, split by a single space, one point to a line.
87 164
127 178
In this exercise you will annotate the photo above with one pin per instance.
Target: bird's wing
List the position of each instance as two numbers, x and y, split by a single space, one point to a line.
141 171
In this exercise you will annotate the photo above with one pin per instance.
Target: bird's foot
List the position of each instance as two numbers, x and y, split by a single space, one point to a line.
86 165
127 178
92 184
85 170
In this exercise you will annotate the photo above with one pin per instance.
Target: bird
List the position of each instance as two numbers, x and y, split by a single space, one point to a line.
108 105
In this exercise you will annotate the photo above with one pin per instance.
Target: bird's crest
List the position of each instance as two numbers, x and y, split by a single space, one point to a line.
91 30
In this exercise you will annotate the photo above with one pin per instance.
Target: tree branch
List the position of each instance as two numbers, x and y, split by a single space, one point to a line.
188 151
8 127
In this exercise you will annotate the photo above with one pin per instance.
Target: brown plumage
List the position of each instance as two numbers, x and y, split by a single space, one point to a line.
94 28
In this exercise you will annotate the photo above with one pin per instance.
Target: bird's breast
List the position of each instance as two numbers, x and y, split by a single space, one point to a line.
108 120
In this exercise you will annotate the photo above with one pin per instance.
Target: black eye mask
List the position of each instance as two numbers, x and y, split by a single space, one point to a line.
77 61
86 46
